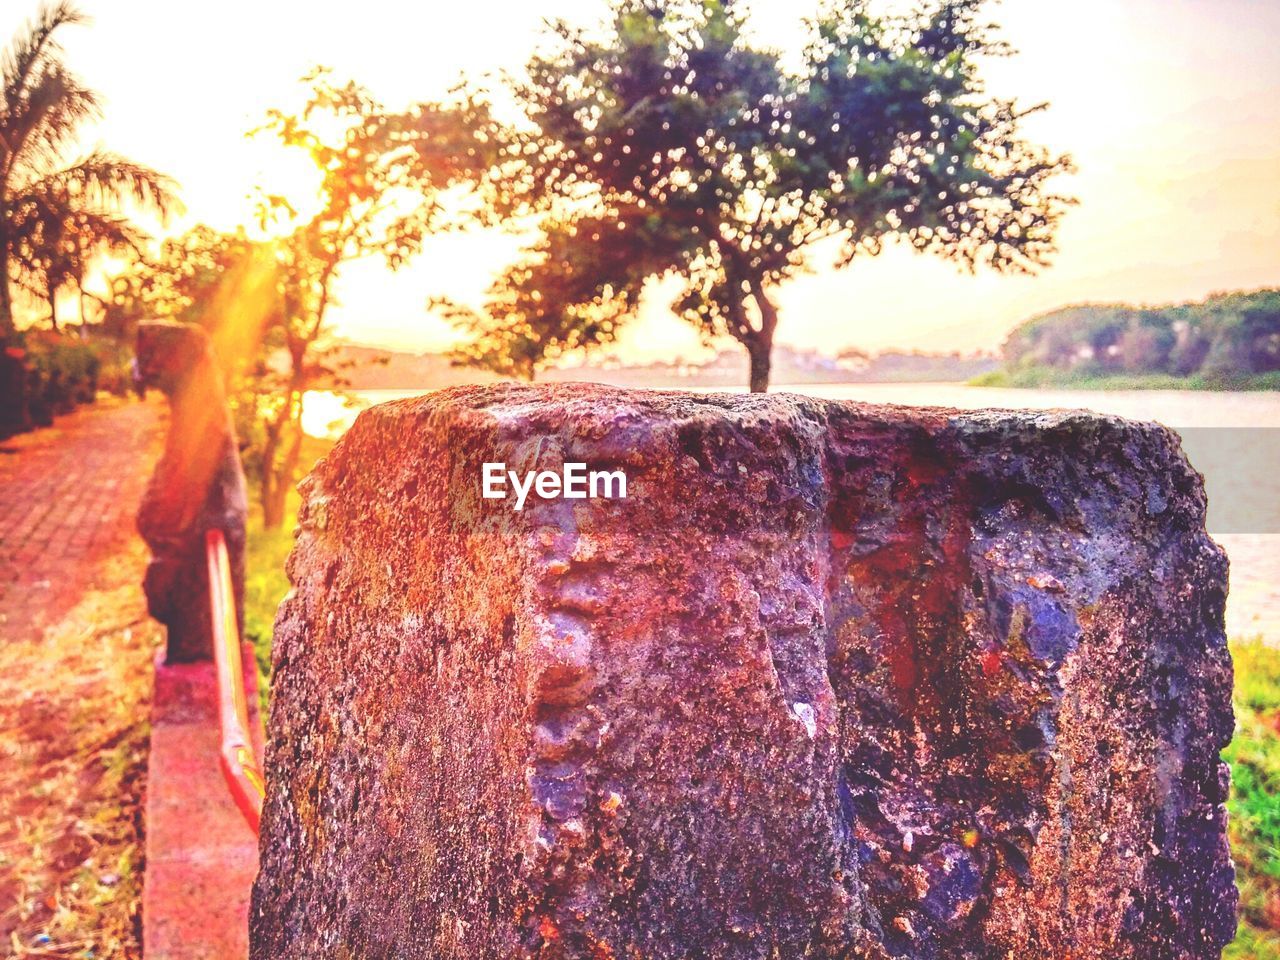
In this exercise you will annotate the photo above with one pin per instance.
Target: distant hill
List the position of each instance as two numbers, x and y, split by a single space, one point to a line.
1228 340
370 368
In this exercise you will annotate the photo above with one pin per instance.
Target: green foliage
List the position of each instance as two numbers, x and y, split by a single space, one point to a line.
57 210
1253 944
115 359
383 177
669 144
1229 341
1037 376
1257 675
265 583
199 277
1254 755
64 372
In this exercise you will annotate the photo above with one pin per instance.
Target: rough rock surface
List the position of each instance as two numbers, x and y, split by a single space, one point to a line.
197 486
833 681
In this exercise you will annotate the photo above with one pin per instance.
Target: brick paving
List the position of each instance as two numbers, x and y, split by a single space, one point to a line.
68 495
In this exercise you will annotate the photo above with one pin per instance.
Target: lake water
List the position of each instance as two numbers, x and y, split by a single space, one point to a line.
1231 438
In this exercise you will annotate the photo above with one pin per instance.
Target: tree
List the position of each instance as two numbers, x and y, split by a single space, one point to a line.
55 211
230 284
57 246
1145 344
199 276
384 179
671 145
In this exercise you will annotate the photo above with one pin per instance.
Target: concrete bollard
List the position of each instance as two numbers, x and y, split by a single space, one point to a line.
830 681
198 485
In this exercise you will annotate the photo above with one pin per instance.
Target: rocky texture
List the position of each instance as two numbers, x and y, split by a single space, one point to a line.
197 486
834 681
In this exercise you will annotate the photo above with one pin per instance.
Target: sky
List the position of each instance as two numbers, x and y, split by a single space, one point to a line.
1170 109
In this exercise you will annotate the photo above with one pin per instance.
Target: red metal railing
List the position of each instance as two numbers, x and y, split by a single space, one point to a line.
235 753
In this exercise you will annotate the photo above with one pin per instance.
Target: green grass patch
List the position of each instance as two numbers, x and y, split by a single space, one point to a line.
265 583
1254 755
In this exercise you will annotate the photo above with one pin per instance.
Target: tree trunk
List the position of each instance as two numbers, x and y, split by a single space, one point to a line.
760 353
273 500
274 490
6 301
760 343
266 484
279 473
285 472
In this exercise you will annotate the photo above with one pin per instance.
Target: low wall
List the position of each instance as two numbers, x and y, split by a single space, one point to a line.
831 681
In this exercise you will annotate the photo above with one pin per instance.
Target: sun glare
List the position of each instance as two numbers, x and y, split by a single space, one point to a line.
289 180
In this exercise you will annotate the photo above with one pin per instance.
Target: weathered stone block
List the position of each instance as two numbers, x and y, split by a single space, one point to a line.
197 486
832 681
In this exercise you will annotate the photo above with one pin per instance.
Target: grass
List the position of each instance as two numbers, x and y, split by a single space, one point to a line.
1035 376
73 749
1254 755
265 583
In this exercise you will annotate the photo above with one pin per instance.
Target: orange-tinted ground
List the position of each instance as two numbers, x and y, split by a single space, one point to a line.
75 683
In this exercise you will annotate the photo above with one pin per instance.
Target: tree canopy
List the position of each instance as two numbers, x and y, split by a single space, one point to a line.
386 180
1225 340
58 208
671 144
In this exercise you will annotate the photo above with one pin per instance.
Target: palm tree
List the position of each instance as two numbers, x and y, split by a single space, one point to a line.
56 210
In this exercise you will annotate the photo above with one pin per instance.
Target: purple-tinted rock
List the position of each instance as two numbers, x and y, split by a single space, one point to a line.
832 681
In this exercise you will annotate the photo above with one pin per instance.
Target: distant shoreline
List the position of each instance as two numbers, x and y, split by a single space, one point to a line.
1049 378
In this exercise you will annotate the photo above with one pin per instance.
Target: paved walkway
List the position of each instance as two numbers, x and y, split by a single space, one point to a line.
68 495
71 568
75 682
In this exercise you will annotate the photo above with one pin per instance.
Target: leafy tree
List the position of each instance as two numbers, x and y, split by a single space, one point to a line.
1145 344
669 144
383 180
1226 340
385 176
233 286
1245 331
56 211
194 277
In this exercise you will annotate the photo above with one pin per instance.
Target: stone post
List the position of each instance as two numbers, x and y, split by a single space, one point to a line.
831 681
198 485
